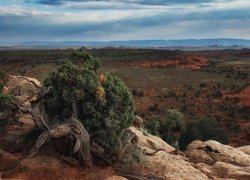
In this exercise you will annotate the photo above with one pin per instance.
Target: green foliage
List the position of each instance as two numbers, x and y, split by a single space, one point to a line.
168 128
2 74
5 99
3 79
85 59
153 126
104 103
203 129
5 102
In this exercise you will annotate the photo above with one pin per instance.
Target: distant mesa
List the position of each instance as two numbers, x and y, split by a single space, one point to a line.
213 43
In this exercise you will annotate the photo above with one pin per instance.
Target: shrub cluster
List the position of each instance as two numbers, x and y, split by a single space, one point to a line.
203 129
169 127
172 129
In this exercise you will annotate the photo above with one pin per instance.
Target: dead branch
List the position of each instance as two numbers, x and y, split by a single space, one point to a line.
152 153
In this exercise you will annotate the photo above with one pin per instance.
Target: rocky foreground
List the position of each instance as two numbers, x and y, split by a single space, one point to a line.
201 160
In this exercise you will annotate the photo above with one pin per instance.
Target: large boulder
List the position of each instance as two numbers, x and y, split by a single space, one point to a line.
23 88
149 142
22 85
164 164
170 166
211 151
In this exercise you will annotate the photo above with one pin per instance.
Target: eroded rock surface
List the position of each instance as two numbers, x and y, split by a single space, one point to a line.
245 149
209 152
150 142
164 164
225 170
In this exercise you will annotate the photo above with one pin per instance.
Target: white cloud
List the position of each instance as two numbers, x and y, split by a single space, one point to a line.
118 20
16 10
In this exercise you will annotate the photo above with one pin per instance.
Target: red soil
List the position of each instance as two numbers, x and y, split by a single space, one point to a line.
45 167
244 101
244 96
189 62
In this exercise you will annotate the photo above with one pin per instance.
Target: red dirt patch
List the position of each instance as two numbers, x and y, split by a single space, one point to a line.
45 167
189 62
244 96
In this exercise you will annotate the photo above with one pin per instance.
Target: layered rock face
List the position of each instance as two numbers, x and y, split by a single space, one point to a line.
201 160
220 160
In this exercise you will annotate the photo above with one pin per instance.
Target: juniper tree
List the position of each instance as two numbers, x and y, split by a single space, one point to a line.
88 109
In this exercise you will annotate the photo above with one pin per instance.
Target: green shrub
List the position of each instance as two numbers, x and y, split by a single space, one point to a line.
103 102
5 99
169 127
172 126
153 126
3 79
203 129
5 102
2 74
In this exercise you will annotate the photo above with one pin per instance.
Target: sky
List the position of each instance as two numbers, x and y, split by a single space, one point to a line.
107 20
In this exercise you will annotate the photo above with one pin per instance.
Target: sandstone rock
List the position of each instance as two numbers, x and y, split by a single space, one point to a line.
172 167
199 156
245 149
225 170
150 142
138 122
22 86
116 178
197 151
206 169
163 164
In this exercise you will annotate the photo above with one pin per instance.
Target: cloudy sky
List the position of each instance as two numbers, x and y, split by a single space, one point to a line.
104 20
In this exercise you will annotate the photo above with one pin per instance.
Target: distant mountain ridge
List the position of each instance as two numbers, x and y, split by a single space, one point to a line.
138 43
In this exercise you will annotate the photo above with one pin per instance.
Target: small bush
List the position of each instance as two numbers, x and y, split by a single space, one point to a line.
153 126
204 129
169 128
